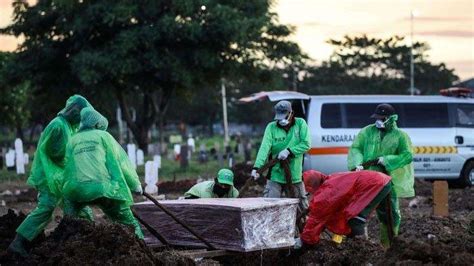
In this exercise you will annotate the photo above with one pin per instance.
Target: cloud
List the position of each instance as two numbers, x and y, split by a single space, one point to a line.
440 19
447 33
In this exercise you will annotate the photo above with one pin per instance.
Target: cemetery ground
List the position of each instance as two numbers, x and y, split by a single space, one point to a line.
424 238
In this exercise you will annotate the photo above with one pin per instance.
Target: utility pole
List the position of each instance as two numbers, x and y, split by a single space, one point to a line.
412 67
224 113
295 78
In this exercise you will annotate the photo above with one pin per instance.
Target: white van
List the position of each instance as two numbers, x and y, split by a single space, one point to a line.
441 129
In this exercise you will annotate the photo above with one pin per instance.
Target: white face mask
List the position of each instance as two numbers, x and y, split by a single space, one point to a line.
283 122
380 123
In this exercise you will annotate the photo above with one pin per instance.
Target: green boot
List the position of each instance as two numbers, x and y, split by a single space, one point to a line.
18 246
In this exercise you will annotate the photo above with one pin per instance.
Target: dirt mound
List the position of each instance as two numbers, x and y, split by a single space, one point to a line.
79 242
409 251
8 224
461 199
349 252
449 231
432 240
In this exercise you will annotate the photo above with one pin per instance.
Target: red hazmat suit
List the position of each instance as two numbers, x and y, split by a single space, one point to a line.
340 197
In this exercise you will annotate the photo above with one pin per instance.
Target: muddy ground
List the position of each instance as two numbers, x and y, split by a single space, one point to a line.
423 239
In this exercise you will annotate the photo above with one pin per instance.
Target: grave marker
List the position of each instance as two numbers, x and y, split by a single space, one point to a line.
132 154
19 156
440 198
140 157
151 178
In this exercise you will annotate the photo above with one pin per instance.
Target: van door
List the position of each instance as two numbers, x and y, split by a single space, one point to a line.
464 115
432 132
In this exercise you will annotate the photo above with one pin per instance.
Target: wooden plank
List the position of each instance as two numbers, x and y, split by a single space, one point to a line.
440 198
205 253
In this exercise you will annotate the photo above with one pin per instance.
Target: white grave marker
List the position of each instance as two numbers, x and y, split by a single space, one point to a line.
151 178
177 150
132 154
191 143
27 158
19 157
140 157
157 161
10 158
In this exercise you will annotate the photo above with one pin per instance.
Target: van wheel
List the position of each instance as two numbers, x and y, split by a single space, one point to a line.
467 177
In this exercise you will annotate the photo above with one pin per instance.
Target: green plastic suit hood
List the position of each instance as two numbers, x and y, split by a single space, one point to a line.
72 111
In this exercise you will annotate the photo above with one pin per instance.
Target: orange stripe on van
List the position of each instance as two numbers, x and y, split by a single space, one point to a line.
328 150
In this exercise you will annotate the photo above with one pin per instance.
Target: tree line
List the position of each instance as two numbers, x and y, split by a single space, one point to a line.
166 60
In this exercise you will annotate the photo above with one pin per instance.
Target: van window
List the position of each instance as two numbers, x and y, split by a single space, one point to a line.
358 114
422 115
331 115
410 115
465 115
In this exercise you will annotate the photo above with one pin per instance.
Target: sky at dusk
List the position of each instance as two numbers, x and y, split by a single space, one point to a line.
446 25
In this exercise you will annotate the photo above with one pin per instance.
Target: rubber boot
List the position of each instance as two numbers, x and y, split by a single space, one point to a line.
357 225
18 246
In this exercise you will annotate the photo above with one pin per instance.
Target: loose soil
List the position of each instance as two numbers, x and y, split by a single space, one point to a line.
423 239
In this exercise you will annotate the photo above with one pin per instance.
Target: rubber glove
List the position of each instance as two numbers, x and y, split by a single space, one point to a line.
283 154
254 174
381 162
138 190
298 243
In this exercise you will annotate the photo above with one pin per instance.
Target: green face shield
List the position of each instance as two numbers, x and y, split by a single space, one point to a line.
71 112
91 119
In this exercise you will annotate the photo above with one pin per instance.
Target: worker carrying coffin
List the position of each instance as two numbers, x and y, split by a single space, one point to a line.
286 138
221 187
390 151
342 202
98 172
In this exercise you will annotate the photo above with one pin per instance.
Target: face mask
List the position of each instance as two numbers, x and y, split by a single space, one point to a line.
380 124
286 121
219 190
283 122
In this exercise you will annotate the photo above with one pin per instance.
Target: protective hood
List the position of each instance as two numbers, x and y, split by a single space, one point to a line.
91 119
72 111
313 180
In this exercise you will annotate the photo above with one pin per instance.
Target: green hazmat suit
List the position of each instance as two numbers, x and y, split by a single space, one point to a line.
98 172
276 139
395 147
47 171
204 190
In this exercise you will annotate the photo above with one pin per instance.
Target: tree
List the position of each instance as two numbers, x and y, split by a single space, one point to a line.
14 100
144 53
372 65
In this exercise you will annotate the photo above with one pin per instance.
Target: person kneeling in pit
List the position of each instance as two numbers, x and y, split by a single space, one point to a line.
221 187
341 202
98 172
